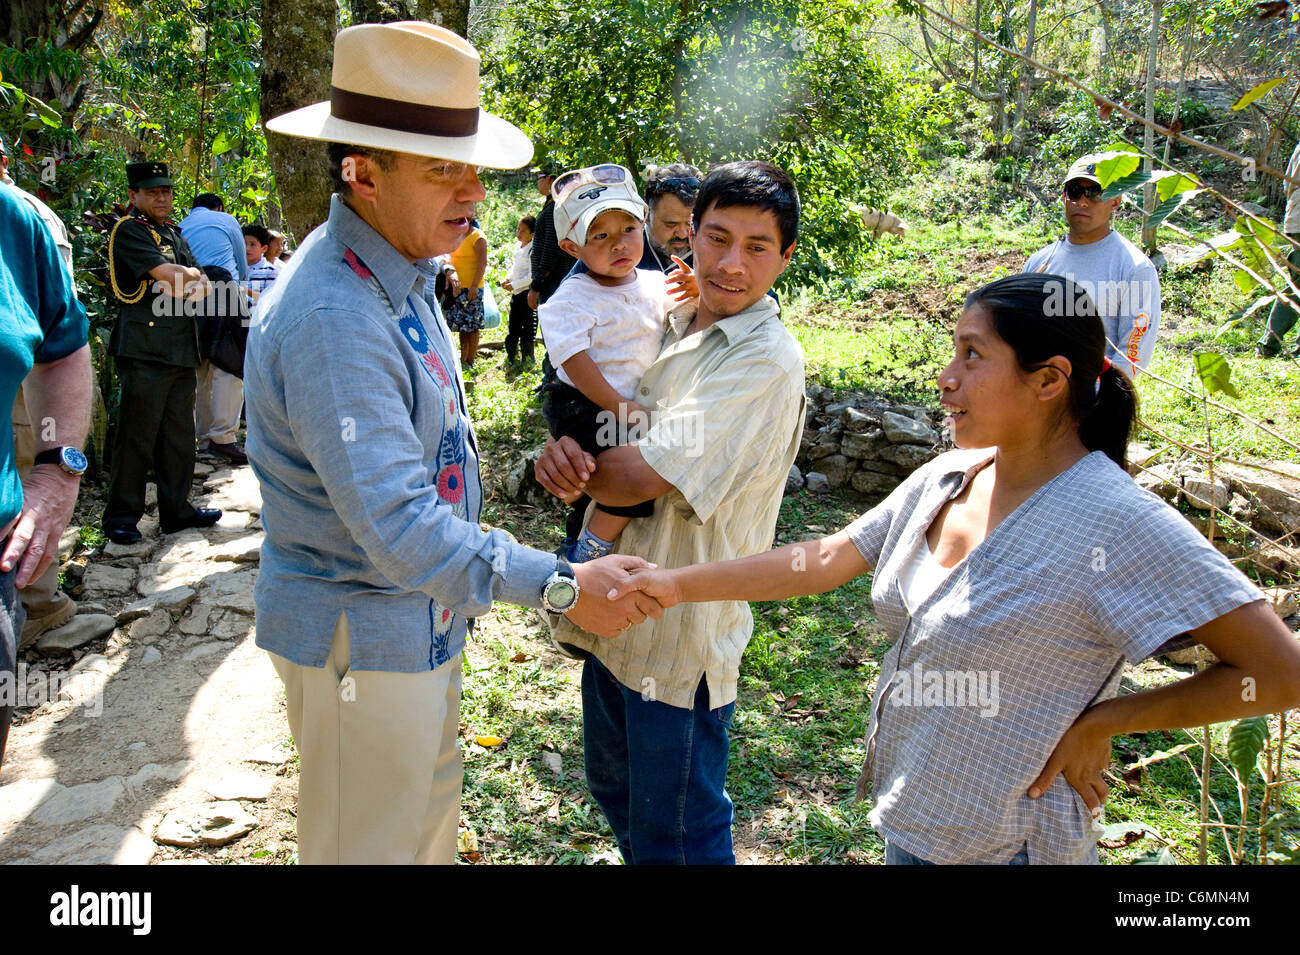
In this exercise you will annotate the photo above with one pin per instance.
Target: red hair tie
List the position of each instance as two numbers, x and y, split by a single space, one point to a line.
1105 366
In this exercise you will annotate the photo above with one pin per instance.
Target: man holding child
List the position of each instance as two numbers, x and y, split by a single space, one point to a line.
726 394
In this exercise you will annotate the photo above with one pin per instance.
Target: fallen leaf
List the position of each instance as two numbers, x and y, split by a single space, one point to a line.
467 843
521 657
489 741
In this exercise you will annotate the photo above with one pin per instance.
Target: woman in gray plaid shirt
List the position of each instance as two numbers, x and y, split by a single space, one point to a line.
1017 576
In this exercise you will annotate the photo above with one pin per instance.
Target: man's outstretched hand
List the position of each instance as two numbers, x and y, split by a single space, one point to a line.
595 612
564 468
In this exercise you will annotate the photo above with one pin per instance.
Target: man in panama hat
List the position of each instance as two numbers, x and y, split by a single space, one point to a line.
374 563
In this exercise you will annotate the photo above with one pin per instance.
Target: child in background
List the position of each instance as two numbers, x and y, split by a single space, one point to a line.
523 320
603 329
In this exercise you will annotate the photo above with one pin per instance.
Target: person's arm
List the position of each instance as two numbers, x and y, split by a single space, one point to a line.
480 266
623 477
1259 673
179 281
588 378
58 392
810 567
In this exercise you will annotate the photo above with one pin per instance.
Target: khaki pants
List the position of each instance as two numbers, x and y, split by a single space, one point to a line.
380 772
217 402
46 605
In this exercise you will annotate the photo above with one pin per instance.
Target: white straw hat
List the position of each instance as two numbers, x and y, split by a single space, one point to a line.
410 87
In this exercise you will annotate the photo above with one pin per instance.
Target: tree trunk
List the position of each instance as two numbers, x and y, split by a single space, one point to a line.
297 54
452 14
1148 140
1182 91
1026 81
68 26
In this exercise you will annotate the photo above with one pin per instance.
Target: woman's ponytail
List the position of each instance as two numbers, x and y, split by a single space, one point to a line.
1106 425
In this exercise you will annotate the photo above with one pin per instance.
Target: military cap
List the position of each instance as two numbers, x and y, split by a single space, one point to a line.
147 175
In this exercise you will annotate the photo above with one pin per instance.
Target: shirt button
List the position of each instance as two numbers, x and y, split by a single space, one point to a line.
644 391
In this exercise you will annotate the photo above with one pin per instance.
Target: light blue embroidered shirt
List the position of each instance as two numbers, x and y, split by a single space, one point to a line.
358 433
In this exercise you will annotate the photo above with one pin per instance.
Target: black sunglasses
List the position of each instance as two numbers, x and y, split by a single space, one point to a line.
678 182
1075 191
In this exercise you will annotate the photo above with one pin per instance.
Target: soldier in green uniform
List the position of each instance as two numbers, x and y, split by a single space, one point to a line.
157 285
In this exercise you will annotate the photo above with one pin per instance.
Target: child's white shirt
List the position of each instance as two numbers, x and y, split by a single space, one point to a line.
619 327
521 269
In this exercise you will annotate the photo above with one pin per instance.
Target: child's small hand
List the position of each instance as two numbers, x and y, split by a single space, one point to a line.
682 285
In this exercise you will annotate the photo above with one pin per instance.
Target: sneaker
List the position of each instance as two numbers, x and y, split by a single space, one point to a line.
588 548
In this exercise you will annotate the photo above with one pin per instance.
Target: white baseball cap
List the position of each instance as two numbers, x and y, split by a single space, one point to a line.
583 194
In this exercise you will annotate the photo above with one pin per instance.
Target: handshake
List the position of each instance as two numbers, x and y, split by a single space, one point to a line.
618 592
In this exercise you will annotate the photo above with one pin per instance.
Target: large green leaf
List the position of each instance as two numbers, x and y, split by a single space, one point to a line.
1115 165
1244 281
1169 206
1170 183
1213 370
1245 740
221 144
1255 92
1134 180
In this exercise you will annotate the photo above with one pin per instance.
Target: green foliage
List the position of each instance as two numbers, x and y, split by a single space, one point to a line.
1245 741
709 83
1213 371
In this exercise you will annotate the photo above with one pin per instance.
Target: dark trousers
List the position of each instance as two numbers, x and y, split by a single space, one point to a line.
523 329
570 413
155 428
1281 317
11 625
658 772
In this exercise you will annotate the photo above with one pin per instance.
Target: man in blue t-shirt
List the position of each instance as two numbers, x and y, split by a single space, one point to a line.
42 347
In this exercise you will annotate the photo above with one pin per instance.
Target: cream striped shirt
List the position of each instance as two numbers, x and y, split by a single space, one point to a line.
729 410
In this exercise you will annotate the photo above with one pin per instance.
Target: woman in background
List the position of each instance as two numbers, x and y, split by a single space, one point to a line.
464 313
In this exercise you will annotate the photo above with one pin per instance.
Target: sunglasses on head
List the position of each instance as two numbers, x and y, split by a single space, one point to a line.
599 175
1074 191
679 182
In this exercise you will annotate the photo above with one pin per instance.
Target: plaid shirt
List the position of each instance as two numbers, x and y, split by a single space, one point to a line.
1026 633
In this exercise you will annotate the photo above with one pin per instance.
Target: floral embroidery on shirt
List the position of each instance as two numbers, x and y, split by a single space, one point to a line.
451 484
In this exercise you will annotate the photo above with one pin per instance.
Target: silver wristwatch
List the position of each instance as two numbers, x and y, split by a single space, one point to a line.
560 592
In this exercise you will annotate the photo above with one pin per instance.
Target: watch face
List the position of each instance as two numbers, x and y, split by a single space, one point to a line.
561 594
74 459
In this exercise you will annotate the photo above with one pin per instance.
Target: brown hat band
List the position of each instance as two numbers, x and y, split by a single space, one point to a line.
402 117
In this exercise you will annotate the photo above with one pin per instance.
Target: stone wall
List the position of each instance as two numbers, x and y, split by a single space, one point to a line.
1268 501
863 443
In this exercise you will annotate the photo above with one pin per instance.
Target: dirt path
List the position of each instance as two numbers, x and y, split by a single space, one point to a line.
162 713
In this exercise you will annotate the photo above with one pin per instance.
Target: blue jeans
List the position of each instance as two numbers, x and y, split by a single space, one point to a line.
658 772
896 856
